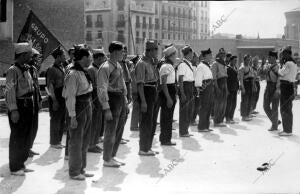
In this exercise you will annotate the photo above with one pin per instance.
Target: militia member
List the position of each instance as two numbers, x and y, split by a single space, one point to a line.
233 87
97 117
77 92
246 78
185 74
287 74
204 85
220 88
255 94
112 94
55 76
167 95
19 98
195 63
37 98
272 91
146 79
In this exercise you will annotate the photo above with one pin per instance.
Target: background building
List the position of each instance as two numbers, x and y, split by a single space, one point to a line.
133 21
292 28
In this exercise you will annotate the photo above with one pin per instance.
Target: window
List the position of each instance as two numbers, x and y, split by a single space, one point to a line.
169 24
202 15
150 35
137 34
144 20
137 19
88 36
206 16
156 8
174 36
144 35
169 36
205 28
201 27
99 22
163 35
99 35
174 11
178 11
89 21
120 4
121 17
169 10
99 18
156 36
201 3
205 3
150 21
121 37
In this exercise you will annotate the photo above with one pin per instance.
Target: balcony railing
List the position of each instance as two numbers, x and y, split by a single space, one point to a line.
99 24
121 23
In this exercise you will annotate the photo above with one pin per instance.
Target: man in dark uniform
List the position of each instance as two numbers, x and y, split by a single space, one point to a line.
272 91
147 79
97 117
185 74
55 80
220 88
255 94
195 63
204 86
19 99
37 98
287 74
233 87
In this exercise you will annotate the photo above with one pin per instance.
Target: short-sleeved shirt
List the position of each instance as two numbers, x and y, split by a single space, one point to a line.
145 71
219 70
186 69
55 75
202 73
167 69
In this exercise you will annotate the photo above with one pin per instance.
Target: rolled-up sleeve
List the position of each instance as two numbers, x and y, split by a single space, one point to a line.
102 86
199 76
214 70
140 72
11 89
164 70
70 88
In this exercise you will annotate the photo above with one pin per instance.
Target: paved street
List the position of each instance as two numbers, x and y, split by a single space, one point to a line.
224 161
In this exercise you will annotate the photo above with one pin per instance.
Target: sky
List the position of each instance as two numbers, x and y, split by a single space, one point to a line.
251 17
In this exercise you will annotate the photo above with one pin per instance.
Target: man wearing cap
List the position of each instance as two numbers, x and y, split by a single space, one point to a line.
97 117
112 94
19 98
204 85
185 74
195 63
167 95
126 65
220 88
272 91
256 92
146 79
233 87
55 80
37 98
287 75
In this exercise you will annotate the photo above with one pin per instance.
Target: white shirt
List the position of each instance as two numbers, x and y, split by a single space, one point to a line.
167 69
202 73
186 71
288 72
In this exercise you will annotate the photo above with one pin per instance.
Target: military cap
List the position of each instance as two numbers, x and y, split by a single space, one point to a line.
273 54
186 50
23 47
169 51
57 52
206 52
151 44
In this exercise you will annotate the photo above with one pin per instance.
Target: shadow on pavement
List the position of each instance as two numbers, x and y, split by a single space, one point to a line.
256 121
9 184
149 166
228 131
93 161
213 137
238 126
134 134
123 151
49 157
170 152
71 186
111 178
191 144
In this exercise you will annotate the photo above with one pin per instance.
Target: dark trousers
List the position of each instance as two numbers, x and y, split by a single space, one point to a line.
20 136
166 115
246 98
57 121
185 108
135 115
205 108
196 106
35 122
220 101
113 130
80 136
146 128
271 103
231 105
286 105
96 121
156 111
255 96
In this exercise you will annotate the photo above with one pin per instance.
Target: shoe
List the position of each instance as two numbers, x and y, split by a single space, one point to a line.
168 144
193 123
123 141
173 129
272 129
127 140
66 157
246 119
58 146
95 150
87 175
134 129
33 153
79 177
204 130
279 122
18 173
121 163
155 152
220 125
174 120
111 164
284 134
142 153
27 170
255 112
186 135
30 155
252 116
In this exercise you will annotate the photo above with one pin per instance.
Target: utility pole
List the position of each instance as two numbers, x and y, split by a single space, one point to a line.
130 30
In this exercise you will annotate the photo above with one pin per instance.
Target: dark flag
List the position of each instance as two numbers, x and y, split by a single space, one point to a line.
36 32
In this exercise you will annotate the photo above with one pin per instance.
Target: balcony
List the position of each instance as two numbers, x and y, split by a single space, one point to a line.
99 24
89 24
120 23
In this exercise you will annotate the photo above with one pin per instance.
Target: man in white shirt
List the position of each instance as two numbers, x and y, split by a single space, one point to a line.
204 85
287 75
185 73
